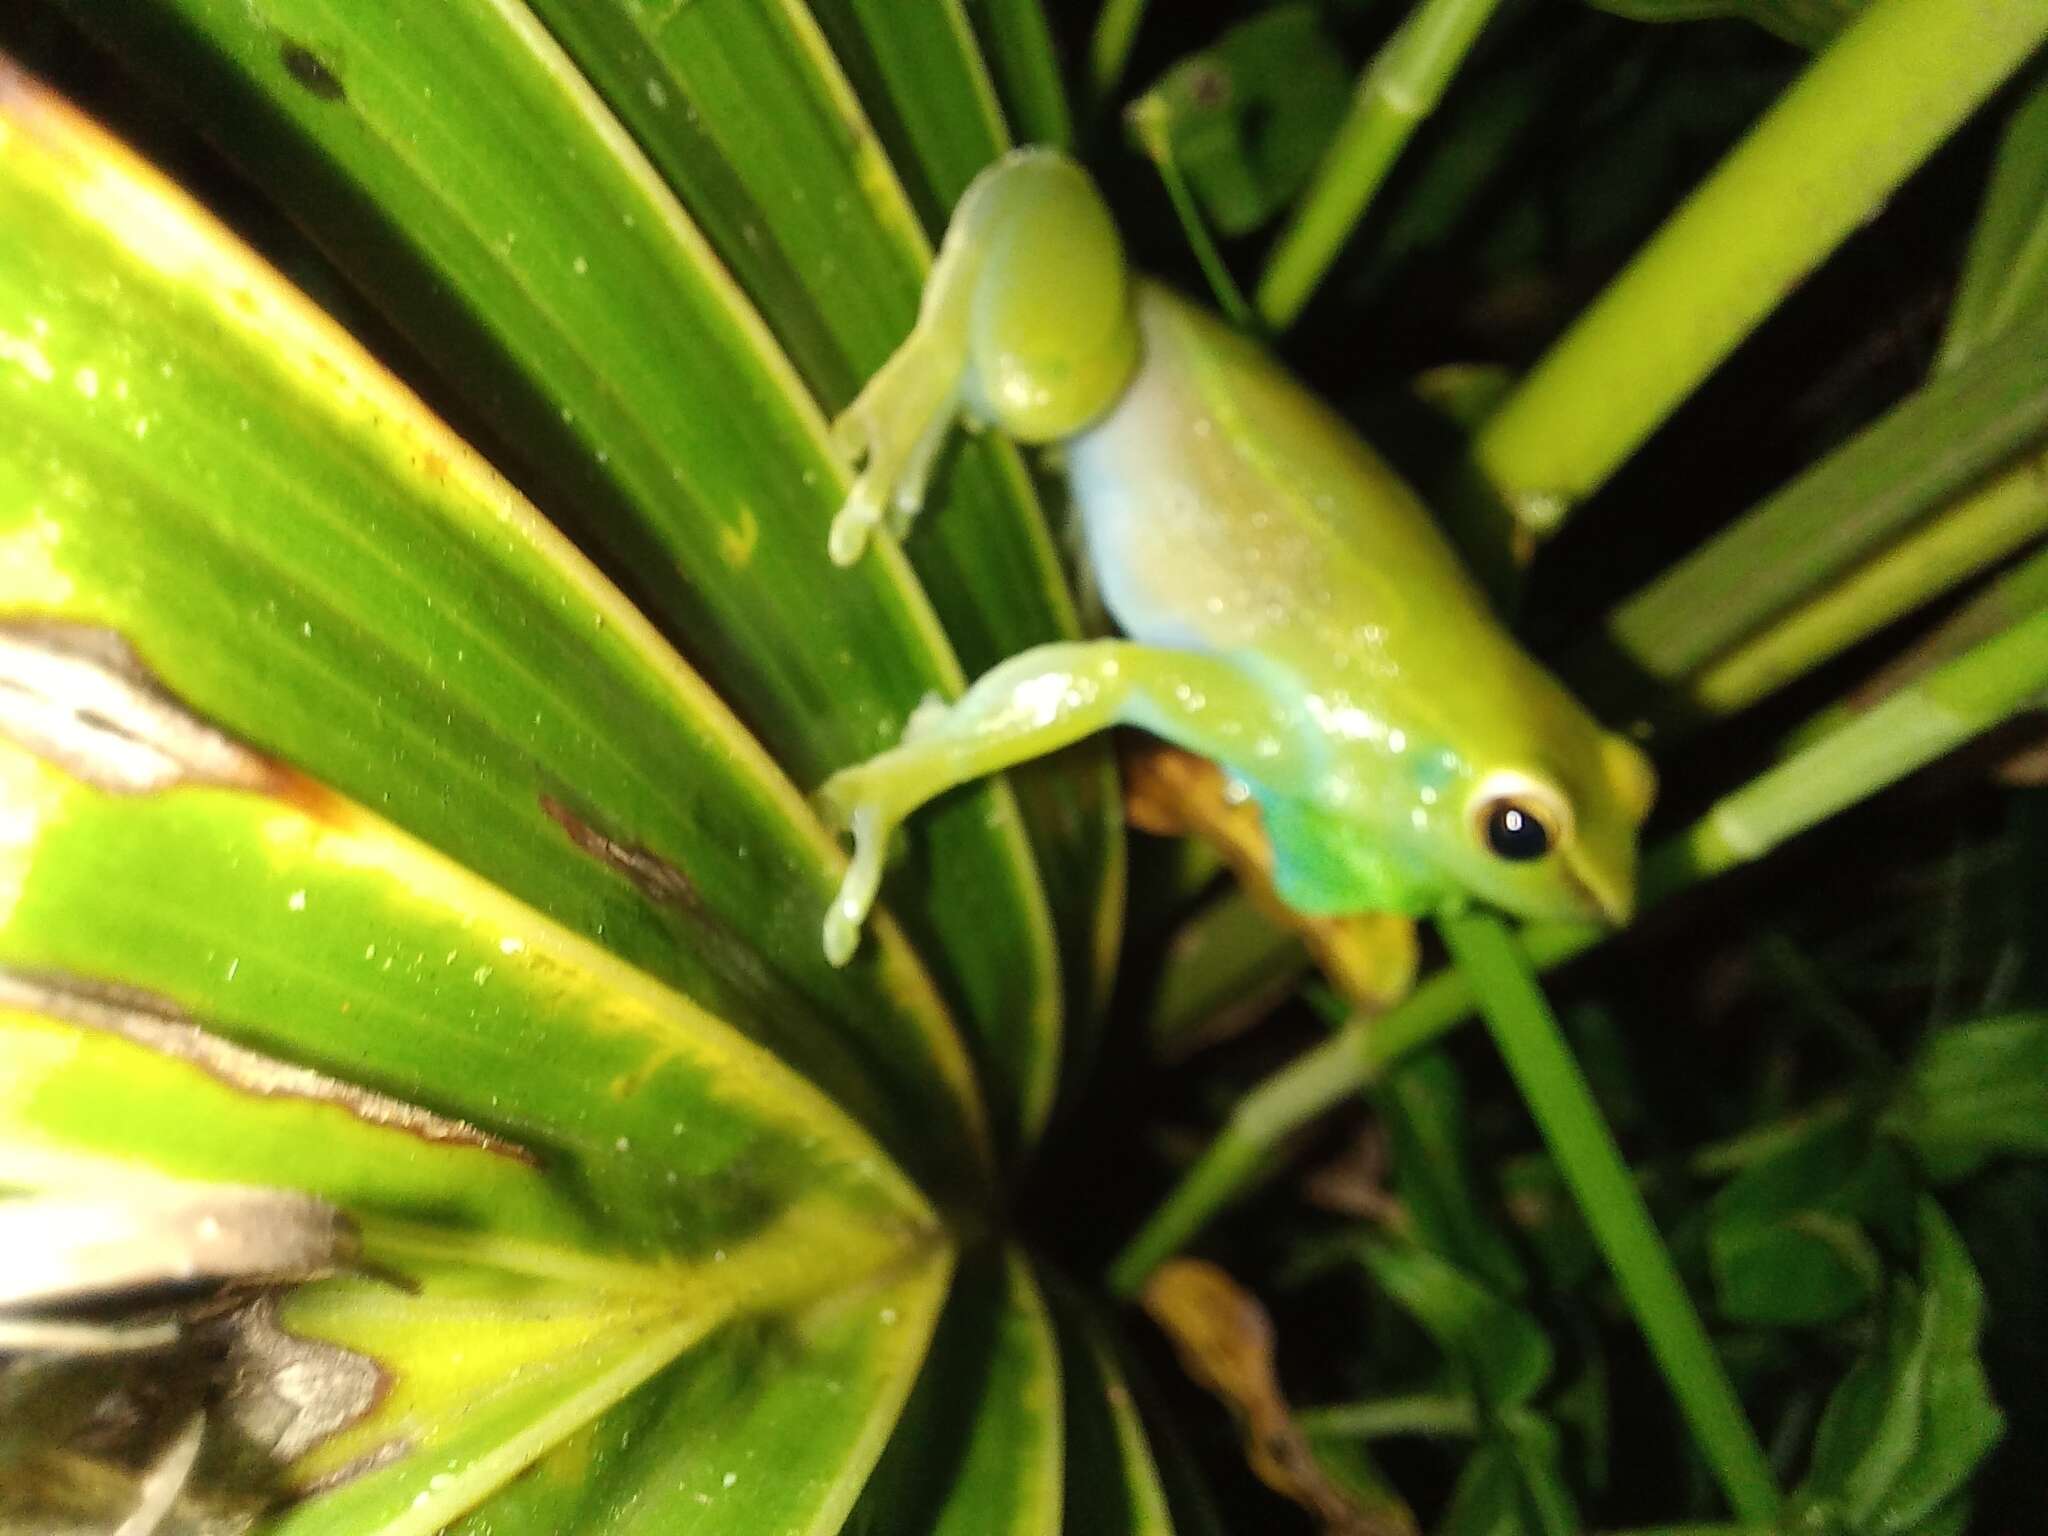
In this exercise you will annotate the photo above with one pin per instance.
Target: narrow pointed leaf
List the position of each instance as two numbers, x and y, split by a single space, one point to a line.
926 89
79 1102
1023 59
1113 1483
770 1425
329 939
745 112
630 387
979 1450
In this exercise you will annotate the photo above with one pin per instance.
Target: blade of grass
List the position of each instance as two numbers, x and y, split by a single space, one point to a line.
1148 122
2005 274
1551 1084
1399 89
1930 449
1018 42
1813 170
926 89
1109 48
1981 530
1922 720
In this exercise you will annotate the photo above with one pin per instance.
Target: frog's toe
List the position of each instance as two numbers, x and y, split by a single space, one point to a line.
862 881
855 522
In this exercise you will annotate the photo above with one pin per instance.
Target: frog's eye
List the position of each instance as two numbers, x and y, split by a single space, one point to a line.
1518 819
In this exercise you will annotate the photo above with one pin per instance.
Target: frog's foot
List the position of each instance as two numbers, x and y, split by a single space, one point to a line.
856 894
893 431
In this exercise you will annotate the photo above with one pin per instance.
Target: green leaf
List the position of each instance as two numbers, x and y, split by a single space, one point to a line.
2006 272
1017 40
518 225
388 615
1913 1418
1975 1092
1513 1485
1787 1238
1423 1105
925 88
1497 1348
1809 23
1112 1480
342 945
746 114
1227 965
771 1425
978 1451
1248 117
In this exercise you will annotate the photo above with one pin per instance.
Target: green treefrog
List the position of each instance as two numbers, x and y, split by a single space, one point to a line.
1289 608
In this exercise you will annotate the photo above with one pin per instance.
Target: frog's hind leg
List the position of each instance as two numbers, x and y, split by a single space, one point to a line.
893 431
1035 703
1025 325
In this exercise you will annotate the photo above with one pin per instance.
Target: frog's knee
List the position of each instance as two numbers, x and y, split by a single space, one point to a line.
1054 333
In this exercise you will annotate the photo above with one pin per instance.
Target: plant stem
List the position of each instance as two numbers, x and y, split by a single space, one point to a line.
1820 163
1418 1413
1555 1090
1864 754
1978 532
2021 591
1399 88
1148 121
2006 271
1109 50
1932 448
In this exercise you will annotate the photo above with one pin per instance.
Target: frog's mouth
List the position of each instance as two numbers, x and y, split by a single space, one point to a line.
1603 894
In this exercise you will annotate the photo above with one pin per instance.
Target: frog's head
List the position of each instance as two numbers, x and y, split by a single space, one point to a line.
1554 835
1544 827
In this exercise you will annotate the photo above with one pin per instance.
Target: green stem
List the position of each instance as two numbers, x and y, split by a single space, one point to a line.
1978 532
1934 448
1401 87
2021 591
1555 1090
1418 1413
2006 271
1819 164
1109 50
1864 754
1149 122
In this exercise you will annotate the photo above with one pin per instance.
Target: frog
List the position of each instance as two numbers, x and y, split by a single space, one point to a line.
1287 605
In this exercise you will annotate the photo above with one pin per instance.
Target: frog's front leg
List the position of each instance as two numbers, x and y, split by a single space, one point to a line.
1025 325
1035 703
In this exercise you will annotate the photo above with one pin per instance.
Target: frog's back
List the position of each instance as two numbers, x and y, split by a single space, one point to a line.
1227 509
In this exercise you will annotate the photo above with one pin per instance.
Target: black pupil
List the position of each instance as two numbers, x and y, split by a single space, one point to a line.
1515 834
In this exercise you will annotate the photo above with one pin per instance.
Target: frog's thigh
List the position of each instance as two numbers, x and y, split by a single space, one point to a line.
1036 702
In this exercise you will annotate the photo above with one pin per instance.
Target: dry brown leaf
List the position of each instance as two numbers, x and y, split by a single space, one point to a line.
1225 1342
1370 958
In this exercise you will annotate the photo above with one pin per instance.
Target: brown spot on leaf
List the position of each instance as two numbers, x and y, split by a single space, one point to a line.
78 695
659 880
311 71
150 1022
